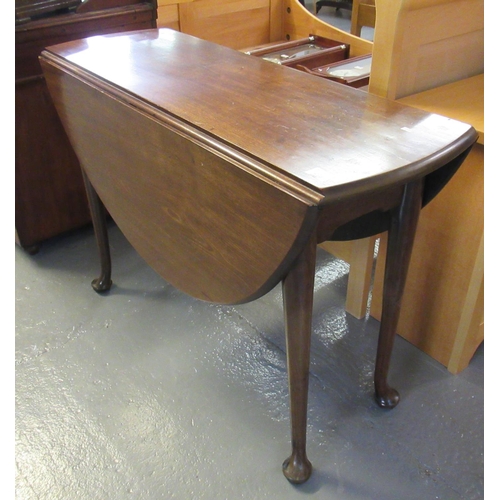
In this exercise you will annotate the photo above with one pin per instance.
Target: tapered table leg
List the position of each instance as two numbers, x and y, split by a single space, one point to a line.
400 242
298 289
98 213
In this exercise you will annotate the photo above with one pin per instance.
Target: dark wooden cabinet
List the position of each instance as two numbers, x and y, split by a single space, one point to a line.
50 194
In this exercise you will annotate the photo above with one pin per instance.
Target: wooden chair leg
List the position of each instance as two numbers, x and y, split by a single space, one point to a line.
360 275
359 255
298 289
400 242
98 213
355 26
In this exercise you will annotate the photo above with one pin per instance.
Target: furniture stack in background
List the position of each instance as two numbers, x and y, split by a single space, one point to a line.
50 195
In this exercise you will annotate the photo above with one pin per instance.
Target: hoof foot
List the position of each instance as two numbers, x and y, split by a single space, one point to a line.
101 285
297 471
389 399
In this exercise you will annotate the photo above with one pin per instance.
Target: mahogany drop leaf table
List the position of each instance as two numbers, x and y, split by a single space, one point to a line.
225 172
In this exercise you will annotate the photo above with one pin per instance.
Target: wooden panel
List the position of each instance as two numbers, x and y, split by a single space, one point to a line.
462 100
422 4
233 23
50 198
445 317
33 37
359 255
168 17
442 294
259 241
277 20
443 61
300 23
363 14
470 331
166 3
420 45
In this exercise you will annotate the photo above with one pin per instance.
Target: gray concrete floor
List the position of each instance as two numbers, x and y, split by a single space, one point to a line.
145 393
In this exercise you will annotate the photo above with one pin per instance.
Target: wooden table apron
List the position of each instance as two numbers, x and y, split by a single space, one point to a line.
225 172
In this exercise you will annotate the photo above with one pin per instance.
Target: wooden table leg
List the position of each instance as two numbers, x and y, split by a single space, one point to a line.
98 213
298 290
400 242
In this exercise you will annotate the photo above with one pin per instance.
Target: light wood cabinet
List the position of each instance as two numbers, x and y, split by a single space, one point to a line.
442 309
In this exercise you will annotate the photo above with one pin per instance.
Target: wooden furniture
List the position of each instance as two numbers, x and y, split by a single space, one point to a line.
354 71
442 310
238 191
436 46
50 196
423 44
363 14
306 52
49 193
240 24
26 10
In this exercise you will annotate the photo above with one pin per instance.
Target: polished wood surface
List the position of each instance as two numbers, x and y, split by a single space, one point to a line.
297 107
50 195
233 23
61 204
442 311
462 100
226 196
420 44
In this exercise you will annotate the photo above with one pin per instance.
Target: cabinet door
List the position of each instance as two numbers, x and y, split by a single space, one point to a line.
50 196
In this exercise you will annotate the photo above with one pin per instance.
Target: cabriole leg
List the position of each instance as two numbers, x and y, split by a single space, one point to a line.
298 289
400 242
98 213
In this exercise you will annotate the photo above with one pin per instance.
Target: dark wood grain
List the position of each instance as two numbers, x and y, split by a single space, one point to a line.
50 195
402 229
103 282
298 287
287 119
225 171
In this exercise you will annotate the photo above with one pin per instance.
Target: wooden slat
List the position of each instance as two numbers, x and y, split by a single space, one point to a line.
236 24
418 45
168 17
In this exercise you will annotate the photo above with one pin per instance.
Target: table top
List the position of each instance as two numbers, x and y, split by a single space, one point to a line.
220 167
462 100
335 140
